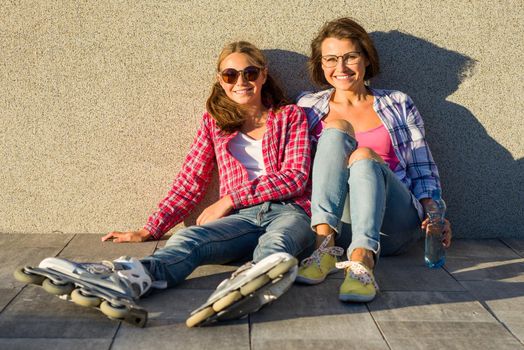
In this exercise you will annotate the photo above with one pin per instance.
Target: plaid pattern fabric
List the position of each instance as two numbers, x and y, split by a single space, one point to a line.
287 158
400 116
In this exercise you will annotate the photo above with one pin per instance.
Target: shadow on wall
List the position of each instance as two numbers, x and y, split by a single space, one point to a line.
477 173
289 69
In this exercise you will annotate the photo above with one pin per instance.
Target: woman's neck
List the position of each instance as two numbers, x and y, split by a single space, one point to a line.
351 97
255 113
255 123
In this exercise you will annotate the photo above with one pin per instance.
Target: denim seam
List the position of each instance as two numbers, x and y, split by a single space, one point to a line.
370 159
177 261
264 209
386 185
360 245
324 220
352 138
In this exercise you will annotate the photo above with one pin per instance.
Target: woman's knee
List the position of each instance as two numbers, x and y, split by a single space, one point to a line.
188 236
341 124
364 153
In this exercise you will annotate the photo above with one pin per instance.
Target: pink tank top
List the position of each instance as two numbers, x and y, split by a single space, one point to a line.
378 140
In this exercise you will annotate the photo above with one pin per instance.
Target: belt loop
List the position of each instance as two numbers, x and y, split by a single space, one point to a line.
264 208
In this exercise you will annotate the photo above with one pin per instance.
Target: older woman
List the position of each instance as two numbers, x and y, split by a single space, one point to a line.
371 148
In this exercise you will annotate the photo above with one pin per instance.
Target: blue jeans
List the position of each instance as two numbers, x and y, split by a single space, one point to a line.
260 230
383 218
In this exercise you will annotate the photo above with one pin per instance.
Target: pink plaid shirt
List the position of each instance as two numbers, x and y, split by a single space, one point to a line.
286 151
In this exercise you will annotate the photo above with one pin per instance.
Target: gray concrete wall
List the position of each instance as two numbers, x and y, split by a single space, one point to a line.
99 100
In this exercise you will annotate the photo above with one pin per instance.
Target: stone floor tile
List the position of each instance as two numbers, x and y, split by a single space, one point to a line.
428 306
54 344
321 332
289 321
400 274
516 244
306 301
17 250
480 248
208 276
517 329
504 299
169 335
474 302
404 335
36 314
6 295
89 247
174 304
477 269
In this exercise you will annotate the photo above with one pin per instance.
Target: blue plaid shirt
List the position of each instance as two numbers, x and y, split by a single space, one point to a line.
398 113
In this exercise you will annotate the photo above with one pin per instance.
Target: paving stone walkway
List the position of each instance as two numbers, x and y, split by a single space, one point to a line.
475 302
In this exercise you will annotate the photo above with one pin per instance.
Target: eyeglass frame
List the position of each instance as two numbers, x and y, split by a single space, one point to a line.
323 58
240 72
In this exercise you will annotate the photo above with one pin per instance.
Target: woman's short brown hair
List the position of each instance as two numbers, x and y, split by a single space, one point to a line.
228 114
342 28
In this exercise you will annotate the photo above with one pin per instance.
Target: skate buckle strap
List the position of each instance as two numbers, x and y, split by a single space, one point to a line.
105 267
241 269
358 272
159 284
323 249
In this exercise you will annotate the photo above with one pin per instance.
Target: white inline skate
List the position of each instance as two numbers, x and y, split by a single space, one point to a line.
248 289
110 286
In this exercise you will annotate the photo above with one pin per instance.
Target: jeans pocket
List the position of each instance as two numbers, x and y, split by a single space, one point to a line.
291 206
295 208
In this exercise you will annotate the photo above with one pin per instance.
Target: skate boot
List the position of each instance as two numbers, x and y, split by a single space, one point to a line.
110 286
248 289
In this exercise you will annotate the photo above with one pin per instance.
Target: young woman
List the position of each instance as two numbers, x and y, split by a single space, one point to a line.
261 147
371 148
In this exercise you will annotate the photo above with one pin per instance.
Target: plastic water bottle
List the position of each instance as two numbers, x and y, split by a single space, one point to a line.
435 254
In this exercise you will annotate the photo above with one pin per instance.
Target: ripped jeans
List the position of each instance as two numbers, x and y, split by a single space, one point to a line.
257 231
383 218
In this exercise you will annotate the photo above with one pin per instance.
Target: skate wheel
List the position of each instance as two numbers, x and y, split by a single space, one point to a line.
281 268
200 317
81 298
229 299
113 311
250 287
57 288
23 276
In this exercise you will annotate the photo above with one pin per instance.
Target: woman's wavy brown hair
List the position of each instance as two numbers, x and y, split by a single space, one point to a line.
228 114
342 28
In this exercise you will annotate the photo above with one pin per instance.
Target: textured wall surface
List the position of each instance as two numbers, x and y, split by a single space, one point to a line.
99 101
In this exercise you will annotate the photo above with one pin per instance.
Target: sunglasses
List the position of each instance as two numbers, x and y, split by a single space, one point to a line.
230 75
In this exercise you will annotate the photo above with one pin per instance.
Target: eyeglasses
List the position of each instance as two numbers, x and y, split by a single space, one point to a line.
230 75
330 61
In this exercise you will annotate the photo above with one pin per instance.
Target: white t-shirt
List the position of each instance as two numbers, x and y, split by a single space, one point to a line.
248 152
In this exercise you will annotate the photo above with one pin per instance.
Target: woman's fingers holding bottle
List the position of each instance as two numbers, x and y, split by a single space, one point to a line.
446 240
426 226
429 227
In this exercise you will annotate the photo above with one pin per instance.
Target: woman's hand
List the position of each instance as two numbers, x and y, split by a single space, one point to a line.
128 236
216 210
446 235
